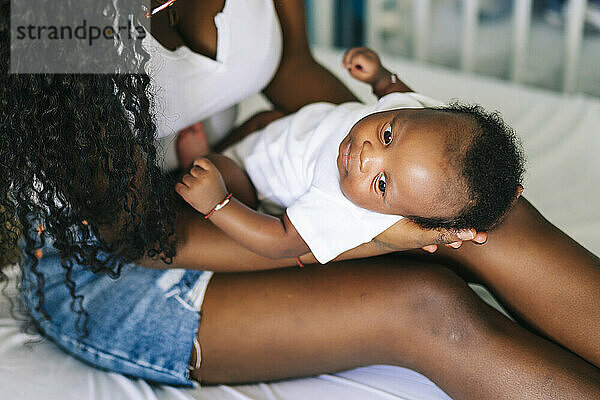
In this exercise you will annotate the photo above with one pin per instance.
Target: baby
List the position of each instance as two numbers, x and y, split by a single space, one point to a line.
346 173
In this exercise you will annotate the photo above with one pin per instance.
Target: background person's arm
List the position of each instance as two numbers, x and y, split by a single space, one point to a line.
300 80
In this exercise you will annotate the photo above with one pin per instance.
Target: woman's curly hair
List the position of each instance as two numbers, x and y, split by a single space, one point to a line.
77 156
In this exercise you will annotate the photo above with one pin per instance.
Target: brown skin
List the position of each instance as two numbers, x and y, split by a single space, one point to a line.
287 91
364 64
275 324
279 324
543 276
395 162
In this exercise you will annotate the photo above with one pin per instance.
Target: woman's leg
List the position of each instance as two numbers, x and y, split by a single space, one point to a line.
294 322
254 123
544 277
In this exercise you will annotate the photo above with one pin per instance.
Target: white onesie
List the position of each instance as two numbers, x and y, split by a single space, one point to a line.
292 163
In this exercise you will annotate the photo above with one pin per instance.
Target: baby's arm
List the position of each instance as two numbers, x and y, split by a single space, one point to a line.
364 64
203 188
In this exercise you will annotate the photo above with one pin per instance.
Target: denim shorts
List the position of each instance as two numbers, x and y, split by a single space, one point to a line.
142 324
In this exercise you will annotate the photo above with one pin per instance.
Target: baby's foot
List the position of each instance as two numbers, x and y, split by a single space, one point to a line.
191 143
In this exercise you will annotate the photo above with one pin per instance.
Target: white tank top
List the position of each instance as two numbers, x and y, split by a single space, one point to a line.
189 87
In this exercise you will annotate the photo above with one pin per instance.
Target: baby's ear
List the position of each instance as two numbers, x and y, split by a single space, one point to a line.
519 191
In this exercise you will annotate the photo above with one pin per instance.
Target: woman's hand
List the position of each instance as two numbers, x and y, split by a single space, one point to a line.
406 235
203 187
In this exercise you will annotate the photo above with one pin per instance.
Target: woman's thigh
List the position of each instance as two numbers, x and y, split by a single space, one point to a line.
297 322
542 276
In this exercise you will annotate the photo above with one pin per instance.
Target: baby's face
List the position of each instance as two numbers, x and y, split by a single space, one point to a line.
395 162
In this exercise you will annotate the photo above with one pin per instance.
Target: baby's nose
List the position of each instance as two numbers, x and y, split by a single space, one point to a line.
368 157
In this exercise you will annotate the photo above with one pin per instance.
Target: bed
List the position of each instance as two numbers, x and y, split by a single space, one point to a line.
561 136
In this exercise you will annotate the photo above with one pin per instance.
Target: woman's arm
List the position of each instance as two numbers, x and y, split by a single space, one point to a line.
201 245
405 235
300 80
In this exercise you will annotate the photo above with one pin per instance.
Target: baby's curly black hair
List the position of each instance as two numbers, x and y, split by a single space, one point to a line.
78 163
491 168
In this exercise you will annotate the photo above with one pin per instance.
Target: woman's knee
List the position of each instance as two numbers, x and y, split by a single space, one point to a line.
382 311
441 311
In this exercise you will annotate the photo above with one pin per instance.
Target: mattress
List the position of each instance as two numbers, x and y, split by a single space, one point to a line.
561 138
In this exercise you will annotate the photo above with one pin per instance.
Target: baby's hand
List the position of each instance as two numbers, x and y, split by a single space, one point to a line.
203 186
364 65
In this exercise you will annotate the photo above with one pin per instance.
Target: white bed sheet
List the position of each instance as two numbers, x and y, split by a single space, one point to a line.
562 140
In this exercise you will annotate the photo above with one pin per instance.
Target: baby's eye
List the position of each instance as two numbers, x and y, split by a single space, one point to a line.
381 184
387 135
